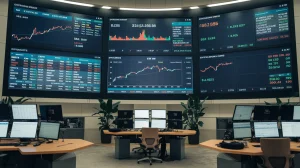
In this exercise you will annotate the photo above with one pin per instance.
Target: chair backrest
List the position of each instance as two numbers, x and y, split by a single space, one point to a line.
150 137
276 152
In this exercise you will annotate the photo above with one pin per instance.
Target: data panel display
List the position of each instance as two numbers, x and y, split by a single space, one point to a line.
54 71
150 35
252 71
150 75
260 27
40 27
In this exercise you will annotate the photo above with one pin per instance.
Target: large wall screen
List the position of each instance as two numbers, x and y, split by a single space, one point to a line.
128 35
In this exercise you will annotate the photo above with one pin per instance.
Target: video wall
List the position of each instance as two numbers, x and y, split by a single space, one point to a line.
241 51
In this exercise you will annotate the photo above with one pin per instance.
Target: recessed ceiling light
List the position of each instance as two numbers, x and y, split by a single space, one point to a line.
141 9
227 3
75 3
106 7
194 7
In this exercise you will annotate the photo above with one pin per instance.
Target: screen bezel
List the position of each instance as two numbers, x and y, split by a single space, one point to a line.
37 117
159 110
282 129
141 110
25 137
235 111
50 123
148 119
62 117
159 119
266 137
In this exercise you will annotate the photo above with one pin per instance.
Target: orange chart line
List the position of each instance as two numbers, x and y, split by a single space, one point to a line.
216 68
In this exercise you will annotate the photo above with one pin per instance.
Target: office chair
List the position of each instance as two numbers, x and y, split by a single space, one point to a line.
150 142
276 152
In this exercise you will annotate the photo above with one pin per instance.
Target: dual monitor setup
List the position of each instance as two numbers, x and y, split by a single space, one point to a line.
149 118
22 121
266 121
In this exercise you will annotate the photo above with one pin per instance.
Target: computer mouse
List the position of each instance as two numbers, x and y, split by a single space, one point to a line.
36 144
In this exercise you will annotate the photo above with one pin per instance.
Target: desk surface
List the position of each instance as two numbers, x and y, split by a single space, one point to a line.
250 150
57 147
175 133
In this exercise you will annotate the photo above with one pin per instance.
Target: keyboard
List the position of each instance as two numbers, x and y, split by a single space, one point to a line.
9 144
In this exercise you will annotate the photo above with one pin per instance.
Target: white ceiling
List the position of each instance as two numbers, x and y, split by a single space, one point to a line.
151 3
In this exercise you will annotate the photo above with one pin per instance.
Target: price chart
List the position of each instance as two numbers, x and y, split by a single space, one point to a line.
40 27
261 27
150 74
253 71
150 35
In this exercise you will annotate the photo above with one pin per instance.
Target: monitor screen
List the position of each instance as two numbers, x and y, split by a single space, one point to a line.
161 124
4 112
266 129
49 130
174 115
260 27
44 70
23 130
141 114
243 112
159 114
175 124
51 113
286 112
296 115
125 124
3 129
141 123
167 35
41 27
266 113
257 71
24 112
290 129
242 130
125 114
150 75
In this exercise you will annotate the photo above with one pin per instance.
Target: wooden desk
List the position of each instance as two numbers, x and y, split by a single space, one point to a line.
250 150
173 133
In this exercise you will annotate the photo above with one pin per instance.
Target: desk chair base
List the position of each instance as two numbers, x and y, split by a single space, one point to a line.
150 158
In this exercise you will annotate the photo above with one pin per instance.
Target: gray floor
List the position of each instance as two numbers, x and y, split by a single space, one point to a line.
103 156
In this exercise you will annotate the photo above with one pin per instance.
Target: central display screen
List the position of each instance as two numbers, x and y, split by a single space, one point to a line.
260 27
54 71
40 27
150 75
252 71
150 35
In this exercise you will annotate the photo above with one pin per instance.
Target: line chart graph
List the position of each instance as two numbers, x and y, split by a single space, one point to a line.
146 68
35 32
215 68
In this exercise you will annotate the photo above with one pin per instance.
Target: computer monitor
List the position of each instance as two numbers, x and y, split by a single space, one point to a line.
242 130
4 112
174 124
161 124
290 129
266 113
23 130
141 114
3 129
141 123
51 113
24 112
174 115
125 124
286 112
242 113
296 115
49 130
125 114
159 114
266 130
